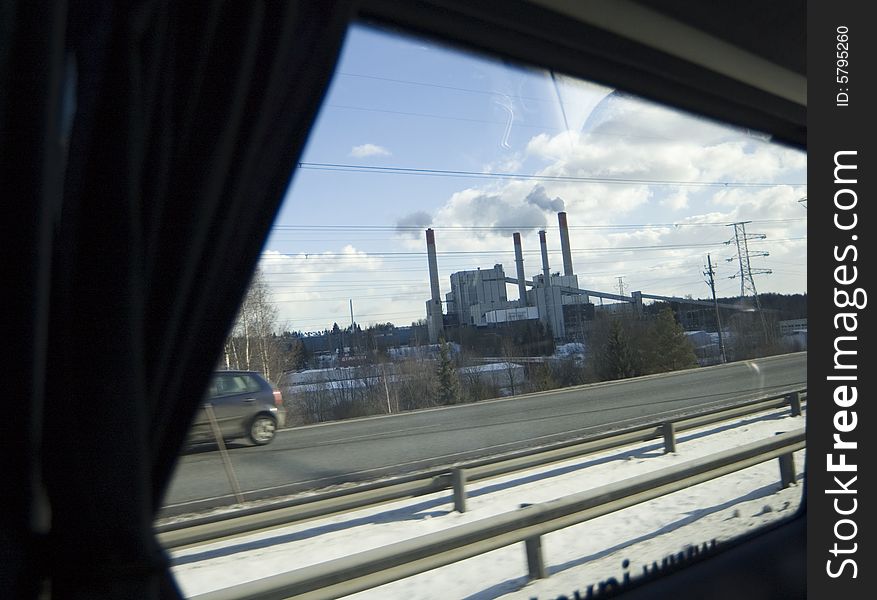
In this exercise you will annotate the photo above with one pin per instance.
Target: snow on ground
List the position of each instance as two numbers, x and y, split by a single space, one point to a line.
574 557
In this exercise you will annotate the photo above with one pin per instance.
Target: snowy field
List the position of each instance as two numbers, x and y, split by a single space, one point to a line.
574 557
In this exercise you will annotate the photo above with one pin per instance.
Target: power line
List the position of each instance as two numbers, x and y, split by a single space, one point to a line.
418 228
421 254
434 116
445 87
517 123
351 168
418 255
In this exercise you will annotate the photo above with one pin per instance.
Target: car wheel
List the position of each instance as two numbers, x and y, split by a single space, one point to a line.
262 430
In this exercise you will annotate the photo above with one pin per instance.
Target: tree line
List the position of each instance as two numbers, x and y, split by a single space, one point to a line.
366 380
254 344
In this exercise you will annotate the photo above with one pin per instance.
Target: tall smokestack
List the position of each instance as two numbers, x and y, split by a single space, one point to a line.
564 243
544 246
434 319
519 261
433 267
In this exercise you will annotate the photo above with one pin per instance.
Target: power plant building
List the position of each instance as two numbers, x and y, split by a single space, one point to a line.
507 315
479 297
475 293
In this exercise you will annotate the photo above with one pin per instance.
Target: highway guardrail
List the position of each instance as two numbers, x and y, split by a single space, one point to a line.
211 528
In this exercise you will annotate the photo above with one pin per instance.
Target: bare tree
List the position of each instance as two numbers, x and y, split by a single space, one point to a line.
417 384
253 343
509 351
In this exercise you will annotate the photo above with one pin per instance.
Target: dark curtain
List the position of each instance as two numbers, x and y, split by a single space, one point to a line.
146 146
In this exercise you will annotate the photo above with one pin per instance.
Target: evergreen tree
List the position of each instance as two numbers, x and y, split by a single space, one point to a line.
298 355
666 347
337 339
616 361
448 381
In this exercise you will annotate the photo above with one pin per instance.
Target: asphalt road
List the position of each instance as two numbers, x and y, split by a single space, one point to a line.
366 449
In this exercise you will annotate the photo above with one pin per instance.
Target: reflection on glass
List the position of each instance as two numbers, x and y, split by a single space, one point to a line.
461 230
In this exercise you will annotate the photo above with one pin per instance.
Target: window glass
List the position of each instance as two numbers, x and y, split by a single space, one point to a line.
228 384
542 258
250 384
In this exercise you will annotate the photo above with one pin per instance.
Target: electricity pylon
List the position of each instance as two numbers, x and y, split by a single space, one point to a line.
747 273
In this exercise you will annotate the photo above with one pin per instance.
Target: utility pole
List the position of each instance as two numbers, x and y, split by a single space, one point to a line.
352 327
712 283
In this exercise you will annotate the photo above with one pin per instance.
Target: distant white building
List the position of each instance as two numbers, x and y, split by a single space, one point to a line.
506 376
792 326
516 313
575 350
794 333
422 352
706 347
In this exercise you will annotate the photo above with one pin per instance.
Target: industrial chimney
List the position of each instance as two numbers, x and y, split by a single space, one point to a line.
519 261
433 267
564 244
544 247
434 320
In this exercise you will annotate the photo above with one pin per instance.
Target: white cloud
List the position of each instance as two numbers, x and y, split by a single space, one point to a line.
676 201
627 139
642 143
314 290
506 164
654 227
366 150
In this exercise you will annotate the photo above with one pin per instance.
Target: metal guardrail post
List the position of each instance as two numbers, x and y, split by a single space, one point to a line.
787 468
535 562
669 430
795 403
458 479
535 559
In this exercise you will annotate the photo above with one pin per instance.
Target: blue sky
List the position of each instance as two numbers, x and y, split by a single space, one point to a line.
648 192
